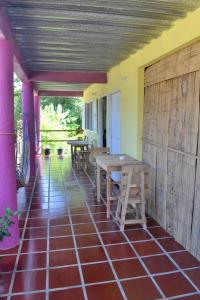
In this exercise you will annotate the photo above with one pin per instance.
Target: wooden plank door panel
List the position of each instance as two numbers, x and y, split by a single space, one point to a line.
171 145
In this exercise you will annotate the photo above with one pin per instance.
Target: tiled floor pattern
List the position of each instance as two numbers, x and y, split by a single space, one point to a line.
69 250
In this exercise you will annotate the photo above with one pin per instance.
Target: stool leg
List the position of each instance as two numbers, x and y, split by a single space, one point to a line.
144 225
138 211
108 193
123 217
98 178
118 209
122 227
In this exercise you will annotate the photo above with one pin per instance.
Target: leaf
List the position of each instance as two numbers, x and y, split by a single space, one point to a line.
6 222
8 212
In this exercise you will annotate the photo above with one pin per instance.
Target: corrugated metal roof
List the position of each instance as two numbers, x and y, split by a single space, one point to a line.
88 35
47 86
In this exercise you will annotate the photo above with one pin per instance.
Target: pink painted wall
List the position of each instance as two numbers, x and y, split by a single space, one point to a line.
37 118
28 115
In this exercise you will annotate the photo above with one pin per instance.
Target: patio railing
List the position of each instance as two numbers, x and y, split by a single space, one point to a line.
75 131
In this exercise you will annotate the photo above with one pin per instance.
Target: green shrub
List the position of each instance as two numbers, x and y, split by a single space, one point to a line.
5 223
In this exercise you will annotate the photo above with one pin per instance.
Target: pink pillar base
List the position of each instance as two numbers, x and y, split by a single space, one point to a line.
8 198
13 241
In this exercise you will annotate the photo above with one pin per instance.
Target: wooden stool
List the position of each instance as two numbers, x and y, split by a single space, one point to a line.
132 195
81 157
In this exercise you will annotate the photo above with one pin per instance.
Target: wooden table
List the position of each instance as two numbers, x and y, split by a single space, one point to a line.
111 163
77 144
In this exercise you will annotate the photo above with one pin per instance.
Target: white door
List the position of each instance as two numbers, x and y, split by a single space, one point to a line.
115 141
115 133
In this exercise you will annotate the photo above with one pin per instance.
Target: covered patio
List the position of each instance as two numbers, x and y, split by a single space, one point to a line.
69 249
137 66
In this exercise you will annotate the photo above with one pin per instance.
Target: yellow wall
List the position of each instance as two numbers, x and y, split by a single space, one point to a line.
128 78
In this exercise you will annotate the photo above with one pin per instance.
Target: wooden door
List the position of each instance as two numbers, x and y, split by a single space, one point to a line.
171 144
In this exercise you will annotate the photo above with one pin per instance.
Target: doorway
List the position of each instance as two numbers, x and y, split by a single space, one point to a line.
102 122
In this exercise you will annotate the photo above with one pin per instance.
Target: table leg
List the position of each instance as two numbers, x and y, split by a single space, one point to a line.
72 154
108 193
98 184
75 153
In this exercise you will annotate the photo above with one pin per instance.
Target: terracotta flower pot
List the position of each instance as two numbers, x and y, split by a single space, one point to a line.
47 151
60 151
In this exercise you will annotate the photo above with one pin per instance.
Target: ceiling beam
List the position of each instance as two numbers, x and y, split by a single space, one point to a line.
61 93
6 33
69 76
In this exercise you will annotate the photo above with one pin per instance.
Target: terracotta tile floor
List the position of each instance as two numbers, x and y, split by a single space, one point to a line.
69 250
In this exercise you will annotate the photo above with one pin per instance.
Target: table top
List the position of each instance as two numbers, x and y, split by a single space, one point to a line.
115 160
78 143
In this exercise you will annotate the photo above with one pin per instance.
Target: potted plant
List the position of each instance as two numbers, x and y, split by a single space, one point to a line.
5 223
47 150
60 151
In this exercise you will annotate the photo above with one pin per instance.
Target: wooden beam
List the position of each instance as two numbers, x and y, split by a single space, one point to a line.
69 76
61 93
6 33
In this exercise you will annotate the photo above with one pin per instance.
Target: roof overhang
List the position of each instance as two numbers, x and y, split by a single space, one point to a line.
69 77
77 41
6 33
73 94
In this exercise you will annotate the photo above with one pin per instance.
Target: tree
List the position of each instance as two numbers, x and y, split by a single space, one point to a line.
56 113
60 114
17 104
71 107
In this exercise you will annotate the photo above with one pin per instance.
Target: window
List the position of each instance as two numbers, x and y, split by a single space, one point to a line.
90 115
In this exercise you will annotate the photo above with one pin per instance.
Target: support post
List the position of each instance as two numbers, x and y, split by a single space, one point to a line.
8 196
37 118
28 116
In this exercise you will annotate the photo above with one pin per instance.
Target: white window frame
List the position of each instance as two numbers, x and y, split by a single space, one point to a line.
90 115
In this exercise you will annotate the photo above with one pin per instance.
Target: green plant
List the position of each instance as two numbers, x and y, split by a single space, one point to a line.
60 114
6 222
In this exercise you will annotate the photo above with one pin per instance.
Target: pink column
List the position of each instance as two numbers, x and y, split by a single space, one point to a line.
37 118
8 198
28 115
